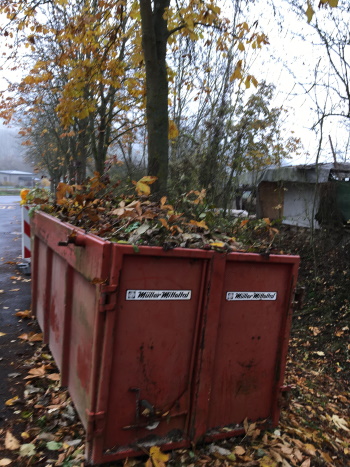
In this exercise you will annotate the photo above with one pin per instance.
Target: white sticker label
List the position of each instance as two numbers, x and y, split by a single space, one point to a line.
233 296
158 295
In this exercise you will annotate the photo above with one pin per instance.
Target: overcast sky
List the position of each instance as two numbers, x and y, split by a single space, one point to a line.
289 62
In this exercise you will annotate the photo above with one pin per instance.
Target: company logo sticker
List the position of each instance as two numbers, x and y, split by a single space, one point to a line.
158 294
234 296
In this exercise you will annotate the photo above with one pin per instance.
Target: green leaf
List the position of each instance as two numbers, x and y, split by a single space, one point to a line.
132 227
53 446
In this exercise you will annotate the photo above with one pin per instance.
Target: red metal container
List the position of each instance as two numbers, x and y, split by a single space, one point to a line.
161 347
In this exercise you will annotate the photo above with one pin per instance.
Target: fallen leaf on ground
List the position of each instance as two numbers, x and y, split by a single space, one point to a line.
36 372
24 314
306 463
31 337
267 462
239 450
54 376
11 442
157 458
5 461
27 450
340 423
2 333
53 446
249 428
10 402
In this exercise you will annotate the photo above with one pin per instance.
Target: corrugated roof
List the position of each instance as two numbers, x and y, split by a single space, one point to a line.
16 172
312 173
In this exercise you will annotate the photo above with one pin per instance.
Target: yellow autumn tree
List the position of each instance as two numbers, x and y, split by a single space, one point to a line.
106 64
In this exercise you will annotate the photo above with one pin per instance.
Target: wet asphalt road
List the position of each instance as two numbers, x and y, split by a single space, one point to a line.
14 296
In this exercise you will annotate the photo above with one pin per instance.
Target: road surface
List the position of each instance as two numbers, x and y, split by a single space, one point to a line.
14 296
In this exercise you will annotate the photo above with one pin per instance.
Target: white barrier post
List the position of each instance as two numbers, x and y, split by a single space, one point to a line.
26 246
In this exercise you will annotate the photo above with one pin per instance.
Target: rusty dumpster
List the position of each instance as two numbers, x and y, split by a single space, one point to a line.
161 347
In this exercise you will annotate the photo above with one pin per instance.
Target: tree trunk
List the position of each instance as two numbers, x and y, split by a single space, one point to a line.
154 44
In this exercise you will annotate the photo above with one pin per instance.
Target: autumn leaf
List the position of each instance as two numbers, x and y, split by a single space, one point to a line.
11 442
310 449
54 376
249 428
315 330
36 372
26 314
266 461
5 461
201 224
31 337
23 195
157 458
254 81
340 423
164 223
12 401
306 463
239 450
309 12
142 186
165 206
276 455
2 334
27 450
237 73
174 229
62 190
327 458
173 130
174 217
241 46
218 244
200 196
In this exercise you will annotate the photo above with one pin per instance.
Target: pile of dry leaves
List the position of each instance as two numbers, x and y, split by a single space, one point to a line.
99 208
